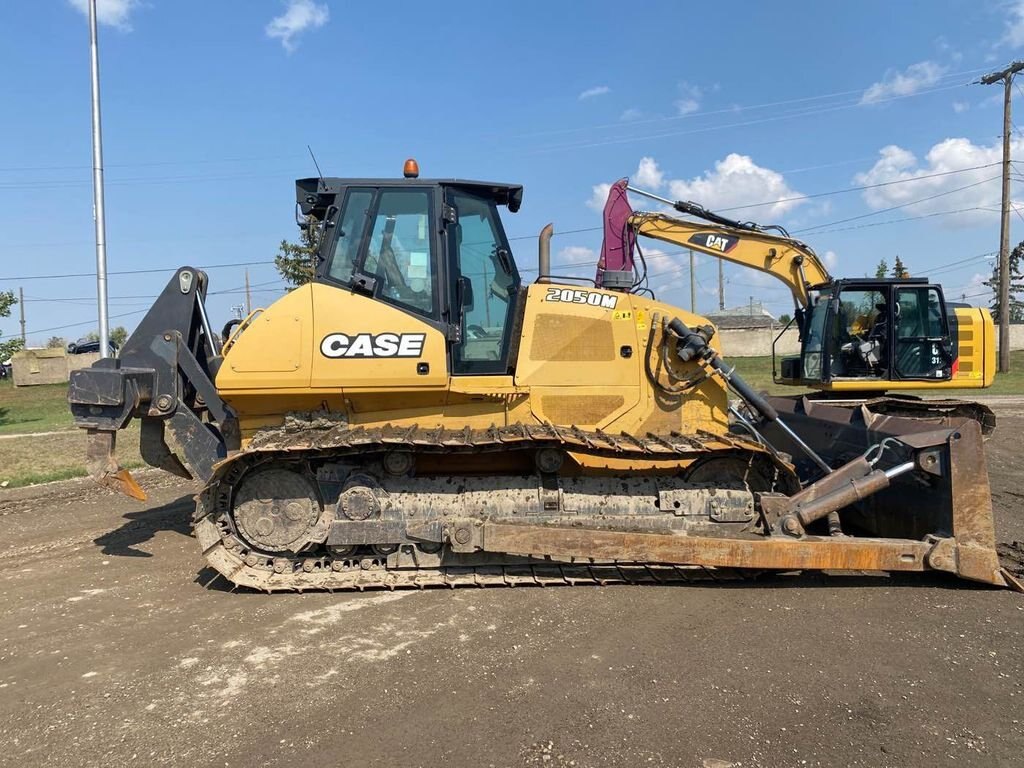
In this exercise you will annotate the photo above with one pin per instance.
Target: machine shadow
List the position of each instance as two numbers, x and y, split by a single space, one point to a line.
139 527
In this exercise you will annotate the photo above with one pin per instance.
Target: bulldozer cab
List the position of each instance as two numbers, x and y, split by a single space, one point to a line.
873 331
434 249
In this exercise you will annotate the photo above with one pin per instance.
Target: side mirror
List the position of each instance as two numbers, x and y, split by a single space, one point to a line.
464 293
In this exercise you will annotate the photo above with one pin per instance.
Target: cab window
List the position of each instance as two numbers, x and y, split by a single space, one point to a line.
489 281
861 334
922 344
350 230
400 252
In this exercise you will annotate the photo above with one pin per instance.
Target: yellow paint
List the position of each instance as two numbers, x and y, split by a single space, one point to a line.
575 365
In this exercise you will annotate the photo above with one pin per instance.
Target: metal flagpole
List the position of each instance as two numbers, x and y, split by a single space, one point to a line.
97 188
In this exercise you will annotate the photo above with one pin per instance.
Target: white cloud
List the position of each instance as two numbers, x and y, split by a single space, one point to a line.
689 101
831 259
961 106
737 181
113 13
906 83
975 291
599 196
631 114
1013 31
576 259
597 90
898 164
687 106
648 174
298 16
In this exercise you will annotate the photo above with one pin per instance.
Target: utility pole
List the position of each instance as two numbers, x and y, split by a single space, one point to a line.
721 287
693 287
1004 76
97 187
248 295
21 309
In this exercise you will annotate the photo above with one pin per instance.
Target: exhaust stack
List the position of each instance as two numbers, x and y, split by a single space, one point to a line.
544 254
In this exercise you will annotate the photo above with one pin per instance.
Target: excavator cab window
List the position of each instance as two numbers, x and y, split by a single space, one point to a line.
922 335
483 266
813 337
860 334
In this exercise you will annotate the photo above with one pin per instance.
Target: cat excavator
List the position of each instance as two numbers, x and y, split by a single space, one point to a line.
863 341
417 415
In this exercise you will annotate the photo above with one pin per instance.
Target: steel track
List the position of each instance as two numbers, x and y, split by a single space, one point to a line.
243 566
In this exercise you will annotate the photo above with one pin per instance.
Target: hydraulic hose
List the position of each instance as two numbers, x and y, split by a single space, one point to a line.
693 345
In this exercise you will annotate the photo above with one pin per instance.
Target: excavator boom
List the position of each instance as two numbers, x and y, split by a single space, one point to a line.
744 243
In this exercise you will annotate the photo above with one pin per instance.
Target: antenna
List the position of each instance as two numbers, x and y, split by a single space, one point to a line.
318 171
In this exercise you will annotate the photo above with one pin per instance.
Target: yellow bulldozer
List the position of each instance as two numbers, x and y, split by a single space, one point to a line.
417 415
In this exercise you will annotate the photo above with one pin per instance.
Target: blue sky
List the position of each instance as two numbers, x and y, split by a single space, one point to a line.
208 107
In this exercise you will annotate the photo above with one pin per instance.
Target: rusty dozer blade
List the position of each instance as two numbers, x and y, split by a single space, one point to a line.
919 503
103 467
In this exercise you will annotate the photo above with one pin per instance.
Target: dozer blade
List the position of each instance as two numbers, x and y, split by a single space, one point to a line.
103 467
931 510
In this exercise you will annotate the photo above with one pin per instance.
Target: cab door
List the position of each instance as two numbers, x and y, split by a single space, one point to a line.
484 286
922 345
377 305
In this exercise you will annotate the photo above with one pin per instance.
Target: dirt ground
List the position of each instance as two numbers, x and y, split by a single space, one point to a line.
114 650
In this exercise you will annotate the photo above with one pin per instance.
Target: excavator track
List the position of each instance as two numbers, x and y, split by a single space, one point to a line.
408 567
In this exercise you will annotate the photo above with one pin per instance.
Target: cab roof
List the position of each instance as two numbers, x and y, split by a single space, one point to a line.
315 194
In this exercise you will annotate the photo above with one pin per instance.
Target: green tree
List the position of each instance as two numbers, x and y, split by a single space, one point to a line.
56 342
1016 308
882 270
297 261
784 318
8 346
898 270
119 336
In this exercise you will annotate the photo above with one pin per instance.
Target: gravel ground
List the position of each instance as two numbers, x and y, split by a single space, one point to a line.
115 650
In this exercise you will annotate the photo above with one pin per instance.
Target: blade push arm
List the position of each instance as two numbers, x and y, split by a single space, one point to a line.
785 258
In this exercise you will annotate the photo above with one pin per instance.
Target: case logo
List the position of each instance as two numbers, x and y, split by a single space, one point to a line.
363 345
575 296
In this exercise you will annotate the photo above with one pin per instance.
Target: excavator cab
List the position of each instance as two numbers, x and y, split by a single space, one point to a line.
874 331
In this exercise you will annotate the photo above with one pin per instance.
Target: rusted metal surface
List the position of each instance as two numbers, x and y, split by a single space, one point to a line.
973 524
103 467
810 552
937 412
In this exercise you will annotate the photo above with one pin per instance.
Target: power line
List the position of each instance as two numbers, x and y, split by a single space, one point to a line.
812 196
901 205
740 108
133 271
719 127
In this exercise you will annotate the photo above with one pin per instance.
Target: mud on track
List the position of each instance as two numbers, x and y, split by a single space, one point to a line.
113 651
